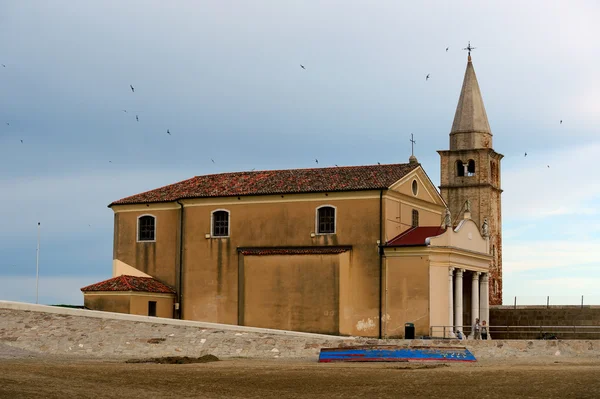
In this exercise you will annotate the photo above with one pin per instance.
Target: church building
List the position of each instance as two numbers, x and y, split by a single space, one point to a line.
356 250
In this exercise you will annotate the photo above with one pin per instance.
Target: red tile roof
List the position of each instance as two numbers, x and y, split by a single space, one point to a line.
291 181
130 283
415 236
294 251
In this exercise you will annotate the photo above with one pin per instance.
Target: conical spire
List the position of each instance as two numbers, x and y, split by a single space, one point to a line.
470 114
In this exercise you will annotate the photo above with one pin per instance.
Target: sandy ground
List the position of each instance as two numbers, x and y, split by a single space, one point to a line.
27 375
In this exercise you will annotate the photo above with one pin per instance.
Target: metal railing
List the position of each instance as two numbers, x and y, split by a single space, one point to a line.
552 300
520 332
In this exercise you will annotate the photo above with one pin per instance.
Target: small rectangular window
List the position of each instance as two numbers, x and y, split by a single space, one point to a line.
146 228
220 224
152 308
326 220
415 218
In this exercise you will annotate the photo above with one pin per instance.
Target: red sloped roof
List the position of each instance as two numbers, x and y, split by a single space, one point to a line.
294 251
415 236
290 181
130 283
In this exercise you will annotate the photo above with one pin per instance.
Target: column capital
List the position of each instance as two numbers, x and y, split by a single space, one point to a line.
450 271
476 275
484 276
459 272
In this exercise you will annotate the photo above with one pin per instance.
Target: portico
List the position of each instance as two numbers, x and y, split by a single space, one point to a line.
453 265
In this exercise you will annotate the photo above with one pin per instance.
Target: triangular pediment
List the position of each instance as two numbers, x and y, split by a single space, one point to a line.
426 190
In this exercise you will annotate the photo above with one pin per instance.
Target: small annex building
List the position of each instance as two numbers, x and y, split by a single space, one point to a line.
130 294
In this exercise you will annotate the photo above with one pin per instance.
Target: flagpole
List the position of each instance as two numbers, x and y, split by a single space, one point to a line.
37 264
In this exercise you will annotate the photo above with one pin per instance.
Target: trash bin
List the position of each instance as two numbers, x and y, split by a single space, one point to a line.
409 331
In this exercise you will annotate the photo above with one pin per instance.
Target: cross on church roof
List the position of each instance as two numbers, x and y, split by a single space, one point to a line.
412 145
469 48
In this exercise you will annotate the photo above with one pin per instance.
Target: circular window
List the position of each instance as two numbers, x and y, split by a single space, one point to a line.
415 187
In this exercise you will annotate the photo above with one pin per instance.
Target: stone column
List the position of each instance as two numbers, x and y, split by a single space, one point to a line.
475 299
450 302
484 297
458 299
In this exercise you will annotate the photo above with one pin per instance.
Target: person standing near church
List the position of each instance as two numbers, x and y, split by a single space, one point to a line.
484 330
476 329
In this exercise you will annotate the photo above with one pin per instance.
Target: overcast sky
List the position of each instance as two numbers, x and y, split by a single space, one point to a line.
224 77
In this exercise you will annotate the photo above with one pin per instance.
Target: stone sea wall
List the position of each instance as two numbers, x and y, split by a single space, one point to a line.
564 322
83 333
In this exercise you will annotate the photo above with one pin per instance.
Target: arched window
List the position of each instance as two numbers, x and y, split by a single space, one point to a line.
220 223
460 168
146 228
415 218
326 220
471 168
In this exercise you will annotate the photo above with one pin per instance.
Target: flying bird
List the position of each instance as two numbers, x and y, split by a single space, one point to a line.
213 161
525 154
336 165
136 118
447 49
378 163
21 141
109 161
3 66
548 165
561 121
302 66
124 110
168 132
132 89
316 160
8 124
427 77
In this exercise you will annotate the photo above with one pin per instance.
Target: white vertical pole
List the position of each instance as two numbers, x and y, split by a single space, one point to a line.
484 298
475 298
450 301
37 264
458 299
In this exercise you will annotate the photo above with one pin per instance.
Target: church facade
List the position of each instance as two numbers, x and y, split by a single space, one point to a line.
358 250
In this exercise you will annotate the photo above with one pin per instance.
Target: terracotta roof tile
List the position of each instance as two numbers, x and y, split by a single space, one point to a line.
130 283
294 251
415 236
291 181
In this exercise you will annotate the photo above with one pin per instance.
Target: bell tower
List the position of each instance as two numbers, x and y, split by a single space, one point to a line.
470 173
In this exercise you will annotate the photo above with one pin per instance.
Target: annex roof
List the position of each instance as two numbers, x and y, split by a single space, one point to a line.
130 283
290 181
415 236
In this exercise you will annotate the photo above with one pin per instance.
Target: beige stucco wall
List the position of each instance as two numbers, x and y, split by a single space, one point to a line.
407 280
164 304
210 286
106 302
438 296
211 265
400 201
292 292
129 302
158 259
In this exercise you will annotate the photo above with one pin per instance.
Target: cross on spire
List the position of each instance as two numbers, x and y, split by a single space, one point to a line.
412 145
469 48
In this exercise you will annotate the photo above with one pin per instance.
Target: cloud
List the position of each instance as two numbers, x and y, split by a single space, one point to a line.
69 204
551 254
534 191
